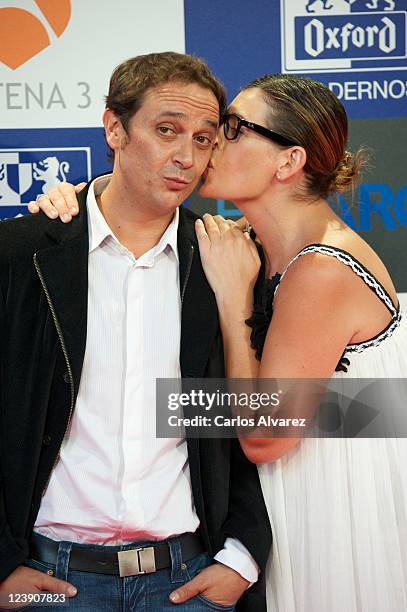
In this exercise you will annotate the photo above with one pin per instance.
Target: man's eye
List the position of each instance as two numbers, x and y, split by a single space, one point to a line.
165 130
204 140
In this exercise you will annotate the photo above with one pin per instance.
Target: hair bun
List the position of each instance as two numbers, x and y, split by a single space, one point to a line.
347 173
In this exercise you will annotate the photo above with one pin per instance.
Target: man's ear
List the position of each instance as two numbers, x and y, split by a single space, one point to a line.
116 136
291 161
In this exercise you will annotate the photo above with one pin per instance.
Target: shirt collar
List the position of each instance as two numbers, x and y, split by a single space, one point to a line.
169 238
98 227
99 230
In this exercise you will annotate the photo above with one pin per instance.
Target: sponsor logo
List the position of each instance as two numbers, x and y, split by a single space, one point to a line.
29 26
343 35
328 5
26 173
373 203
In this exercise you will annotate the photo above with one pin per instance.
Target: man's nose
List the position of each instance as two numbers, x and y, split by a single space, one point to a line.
214 151
220 139
184 155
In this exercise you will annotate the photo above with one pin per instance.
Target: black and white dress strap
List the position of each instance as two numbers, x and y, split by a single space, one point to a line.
358 268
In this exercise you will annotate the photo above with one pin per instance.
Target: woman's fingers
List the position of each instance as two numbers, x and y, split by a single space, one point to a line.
211 227
218 229
79 187
217 226
43 203
230 263
202 236
33 206
64 199
60 201
222 223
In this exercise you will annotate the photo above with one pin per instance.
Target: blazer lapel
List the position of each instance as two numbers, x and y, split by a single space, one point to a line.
199 324
199 319
64 270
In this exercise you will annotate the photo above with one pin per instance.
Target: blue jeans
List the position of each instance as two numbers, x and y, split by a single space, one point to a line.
145 593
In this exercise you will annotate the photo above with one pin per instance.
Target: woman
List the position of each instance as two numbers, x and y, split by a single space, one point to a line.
338 506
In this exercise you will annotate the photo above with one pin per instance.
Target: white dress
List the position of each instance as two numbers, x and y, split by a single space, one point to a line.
338 506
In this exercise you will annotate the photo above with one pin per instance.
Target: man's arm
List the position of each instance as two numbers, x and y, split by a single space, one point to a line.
14 577
247 523
235 555
247 520
12 553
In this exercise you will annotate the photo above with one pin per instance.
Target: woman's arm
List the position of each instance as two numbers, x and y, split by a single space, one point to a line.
231 265
313 320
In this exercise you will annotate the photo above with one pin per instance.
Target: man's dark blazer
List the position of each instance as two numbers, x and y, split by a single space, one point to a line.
43 322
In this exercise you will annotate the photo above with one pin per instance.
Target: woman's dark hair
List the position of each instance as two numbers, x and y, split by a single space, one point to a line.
308 113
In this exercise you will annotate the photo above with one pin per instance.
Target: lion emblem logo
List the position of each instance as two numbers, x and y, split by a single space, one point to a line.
326 5
49 171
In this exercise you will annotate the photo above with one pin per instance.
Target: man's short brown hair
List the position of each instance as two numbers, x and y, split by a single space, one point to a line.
131 80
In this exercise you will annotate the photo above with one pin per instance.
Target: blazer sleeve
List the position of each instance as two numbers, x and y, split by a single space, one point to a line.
11 553
247 518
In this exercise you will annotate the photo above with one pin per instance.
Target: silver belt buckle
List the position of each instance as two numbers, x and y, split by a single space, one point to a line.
137 561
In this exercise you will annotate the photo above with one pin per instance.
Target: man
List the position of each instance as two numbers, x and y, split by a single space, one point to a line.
91 313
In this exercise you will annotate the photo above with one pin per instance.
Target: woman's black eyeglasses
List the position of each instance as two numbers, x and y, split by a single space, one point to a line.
232 125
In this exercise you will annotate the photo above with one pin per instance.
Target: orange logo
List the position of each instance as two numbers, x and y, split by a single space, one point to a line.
22 35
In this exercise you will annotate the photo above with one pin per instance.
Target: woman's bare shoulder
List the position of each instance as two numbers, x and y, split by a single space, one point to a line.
363 253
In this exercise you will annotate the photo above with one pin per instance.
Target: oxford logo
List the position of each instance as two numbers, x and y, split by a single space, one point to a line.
343 35
318 38
26 173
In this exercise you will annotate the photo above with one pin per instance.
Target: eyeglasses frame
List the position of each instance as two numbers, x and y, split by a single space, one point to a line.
259 129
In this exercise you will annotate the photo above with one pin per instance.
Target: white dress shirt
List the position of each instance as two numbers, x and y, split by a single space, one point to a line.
115 482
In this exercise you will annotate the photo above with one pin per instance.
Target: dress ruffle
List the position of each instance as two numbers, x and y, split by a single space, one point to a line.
262 312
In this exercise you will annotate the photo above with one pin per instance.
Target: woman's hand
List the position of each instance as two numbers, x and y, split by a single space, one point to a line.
229 258
60 201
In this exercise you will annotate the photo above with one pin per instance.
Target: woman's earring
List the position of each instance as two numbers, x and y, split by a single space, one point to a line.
278 176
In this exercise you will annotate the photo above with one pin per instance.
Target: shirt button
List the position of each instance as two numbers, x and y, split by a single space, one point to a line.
46 440
66 377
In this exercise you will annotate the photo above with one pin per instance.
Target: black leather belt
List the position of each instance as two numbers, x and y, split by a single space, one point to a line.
131 562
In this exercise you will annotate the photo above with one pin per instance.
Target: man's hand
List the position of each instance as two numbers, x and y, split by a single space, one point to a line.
218 583
60 201
28 580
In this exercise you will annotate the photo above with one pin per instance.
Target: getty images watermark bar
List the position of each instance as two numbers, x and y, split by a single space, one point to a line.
226 408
